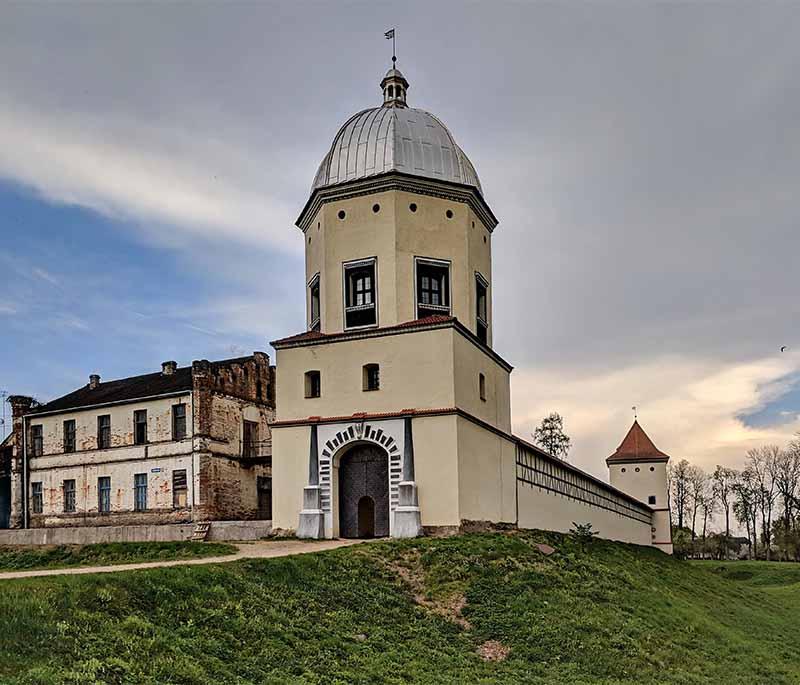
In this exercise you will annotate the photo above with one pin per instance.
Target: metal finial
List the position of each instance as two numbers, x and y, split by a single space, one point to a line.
635 414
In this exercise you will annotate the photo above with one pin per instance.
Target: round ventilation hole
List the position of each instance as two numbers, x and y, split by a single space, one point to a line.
376 208
449 213
413 207
341 214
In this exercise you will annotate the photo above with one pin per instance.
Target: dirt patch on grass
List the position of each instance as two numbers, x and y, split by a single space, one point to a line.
409 568
492 650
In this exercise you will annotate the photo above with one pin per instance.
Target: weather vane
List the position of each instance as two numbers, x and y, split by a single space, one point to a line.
389 35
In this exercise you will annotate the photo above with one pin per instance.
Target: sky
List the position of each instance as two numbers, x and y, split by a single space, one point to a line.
643 159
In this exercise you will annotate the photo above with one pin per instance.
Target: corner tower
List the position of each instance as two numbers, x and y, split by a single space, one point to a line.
639 468
398 344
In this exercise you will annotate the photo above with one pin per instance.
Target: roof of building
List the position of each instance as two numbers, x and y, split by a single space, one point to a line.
390 138
637 446
129 389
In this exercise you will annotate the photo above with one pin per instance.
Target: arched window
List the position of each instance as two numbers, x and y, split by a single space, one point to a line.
391 91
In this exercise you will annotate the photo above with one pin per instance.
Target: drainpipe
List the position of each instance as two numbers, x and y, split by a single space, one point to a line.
25 483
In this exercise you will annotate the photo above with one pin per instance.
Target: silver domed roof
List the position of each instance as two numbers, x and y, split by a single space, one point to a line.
395 138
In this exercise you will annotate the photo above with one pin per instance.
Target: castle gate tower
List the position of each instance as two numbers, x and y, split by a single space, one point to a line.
392 405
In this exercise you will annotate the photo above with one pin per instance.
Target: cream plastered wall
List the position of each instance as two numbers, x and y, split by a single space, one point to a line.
395 236
641 484
121 471
290 447
544 510
435 461
469 362
159 426
486 474
416 371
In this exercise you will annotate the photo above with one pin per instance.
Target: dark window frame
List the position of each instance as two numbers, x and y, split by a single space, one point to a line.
180 484
360 299
371 377
481 308
140 492
103 432
651 499
36 448
37 497
178 421
69 492
140 427
314 303
104 494
482 386
70 436
313 384
432 287
250 438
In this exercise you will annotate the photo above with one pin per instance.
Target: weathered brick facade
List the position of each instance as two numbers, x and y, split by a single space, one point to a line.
121 453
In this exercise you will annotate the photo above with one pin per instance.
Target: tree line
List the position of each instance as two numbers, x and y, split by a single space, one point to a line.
763 498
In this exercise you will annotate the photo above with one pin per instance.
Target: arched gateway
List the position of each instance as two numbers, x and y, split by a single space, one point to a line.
364 492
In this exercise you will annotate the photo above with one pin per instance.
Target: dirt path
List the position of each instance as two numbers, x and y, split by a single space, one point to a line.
253 550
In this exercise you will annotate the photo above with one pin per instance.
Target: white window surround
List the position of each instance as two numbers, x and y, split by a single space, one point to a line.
354 264
444 263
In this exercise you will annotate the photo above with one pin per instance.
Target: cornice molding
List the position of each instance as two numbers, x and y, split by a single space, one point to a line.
394 180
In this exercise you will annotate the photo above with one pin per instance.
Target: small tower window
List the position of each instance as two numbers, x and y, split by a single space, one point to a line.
360 307
391 91
482 386
651 499
313 303
433 287
371 377
313 384
481 309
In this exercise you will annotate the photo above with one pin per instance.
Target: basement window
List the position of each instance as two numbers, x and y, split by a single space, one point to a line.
104 432
178 421
360 301
313 384
104 494
37 499
69 435
140 427
371 377
433 287
179 489
69 496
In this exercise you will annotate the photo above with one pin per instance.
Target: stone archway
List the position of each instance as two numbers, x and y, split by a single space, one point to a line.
364 492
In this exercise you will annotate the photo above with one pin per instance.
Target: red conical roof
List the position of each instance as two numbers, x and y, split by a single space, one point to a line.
637 447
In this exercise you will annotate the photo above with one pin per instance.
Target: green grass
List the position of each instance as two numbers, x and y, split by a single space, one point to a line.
411 611
63 556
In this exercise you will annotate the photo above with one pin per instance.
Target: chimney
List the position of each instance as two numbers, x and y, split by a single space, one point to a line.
94 381
168 368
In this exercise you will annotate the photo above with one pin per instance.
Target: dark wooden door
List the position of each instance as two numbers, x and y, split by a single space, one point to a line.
364 493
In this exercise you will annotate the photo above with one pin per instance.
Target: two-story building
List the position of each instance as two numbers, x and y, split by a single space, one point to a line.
183 444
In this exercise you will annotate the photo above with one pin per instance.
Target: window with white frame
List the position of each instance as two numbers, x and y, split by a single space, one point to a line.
433 287
314 304
360 294
482 308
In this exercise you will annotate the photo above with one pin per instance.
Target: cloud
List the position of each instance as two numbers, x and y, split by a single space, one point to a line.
7 309
131 172
690 408
45 276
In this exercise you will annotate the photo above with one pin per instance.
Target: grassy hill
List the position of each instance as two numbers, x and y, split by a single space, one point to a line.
481 608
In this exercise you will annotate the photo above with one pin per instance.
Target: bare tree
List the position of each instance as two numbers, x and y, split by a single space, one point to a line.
745 507
723 480
697 480
787 480
679 489
762 462
550 436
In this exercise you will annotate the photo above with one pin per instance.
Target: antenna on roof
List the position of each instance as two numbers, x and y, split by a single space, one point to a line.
389 35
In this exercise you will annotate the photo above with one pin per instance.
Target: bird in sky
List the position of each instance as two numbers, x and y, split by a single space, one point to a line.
784 348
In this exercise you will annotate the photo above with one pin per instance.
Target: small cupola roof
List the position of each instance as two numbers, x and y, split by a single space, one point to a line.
637 447
395 88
